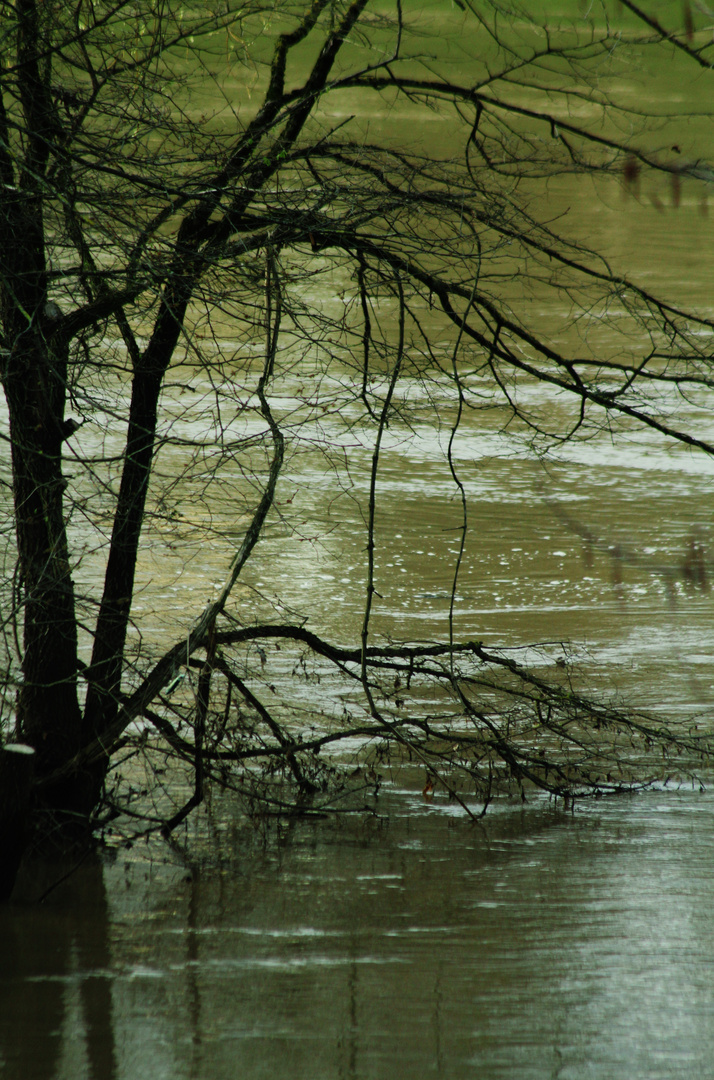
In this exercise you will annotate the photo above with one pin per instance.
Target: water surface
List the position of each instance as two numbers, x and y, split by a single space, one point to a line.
537 945
541 944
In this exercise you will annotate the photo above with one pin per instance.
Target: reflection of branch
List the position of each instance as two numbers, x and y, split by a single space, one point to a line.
693 567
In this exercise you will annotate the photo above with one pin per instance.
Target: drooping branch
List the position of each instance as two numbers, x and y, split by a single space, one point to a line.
492 725
494 345
188 234
198 751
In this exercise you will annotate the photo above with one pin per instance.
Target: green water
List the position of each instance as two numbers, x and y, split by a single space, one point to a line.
540 945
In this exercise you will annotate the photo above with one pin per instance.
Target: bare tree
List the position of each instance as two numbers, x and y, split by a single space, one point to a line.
205 254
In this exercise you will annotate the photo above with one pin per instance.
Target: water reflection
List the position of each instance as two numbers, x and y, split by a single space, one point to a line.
56 979
541 945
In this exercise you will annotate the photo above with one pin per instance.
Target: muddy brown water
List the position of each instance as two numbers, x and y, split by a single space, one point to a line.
537 945
541 945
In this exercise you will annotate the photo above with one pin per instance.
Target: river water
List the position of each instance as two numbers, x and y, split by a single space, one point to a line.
539 945
536 944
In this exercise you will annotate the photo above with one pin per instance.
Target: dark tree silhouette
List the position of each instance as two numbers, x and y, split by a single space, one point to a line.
175 186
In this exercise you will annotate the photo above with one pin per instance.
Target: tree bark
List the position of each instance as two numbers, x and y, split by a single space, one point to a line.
16 776
33 369
48 711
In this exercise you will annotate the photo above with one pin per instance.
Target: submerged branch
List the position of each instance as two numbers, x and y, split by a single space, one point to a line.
479 722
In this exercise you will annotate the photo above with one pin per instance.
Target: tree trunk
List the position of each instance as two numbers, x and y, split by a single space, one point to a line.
16 775
48 709
34 377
